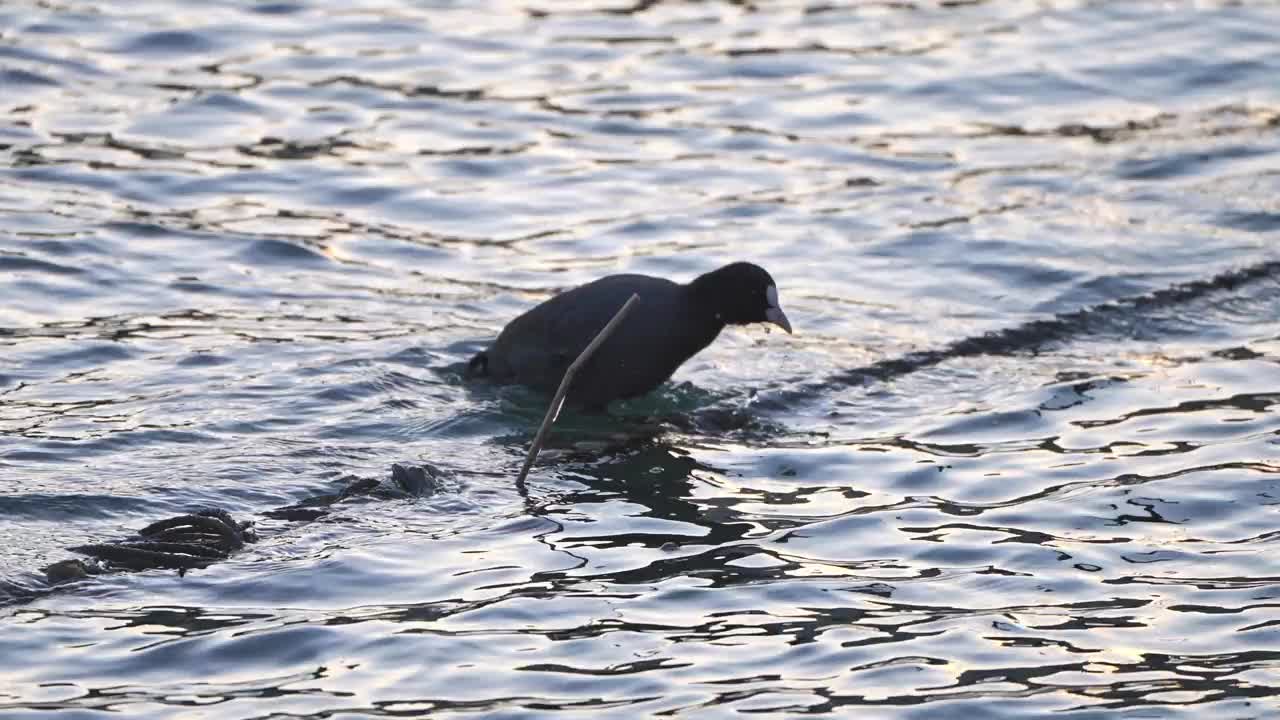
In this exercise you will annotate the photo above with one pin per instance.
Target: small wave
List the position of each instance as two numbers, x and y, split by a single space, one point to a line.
273 252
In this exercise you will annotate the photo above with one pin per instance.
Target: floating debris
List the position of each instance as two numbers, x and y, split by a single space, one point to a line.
418 480
317 506
201 538
183 542
68 570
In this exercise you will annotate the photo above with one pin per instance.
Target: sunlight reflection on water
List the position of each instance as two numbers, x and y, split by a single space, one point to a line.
1019 458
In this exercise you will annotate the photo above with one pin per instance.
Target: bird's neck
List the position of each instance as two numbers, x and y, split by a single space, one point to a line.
706 319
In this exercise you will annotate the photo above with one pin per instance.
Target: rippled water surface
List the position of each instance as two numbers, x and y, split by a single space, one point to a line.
1021 458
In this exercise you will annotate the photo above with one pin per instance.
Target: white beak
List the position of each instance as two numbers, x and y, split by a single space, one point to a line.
774 312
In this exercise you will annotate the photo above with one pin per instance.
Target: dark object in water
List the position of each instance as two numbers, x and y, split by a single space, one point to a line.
317 506
671 323
201 538
143 556
183 542
417 480
213 528
68 570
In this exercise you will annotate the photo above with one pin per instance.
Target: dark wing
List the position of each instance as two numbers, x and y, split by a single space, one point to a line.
537 348
634 359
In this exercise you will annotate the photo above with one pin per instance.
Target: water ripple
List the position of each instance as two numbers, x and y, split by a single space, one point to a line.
1019 459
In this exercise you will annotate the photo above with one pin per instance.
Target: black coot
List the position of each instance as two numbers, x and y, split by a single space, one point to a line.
668 325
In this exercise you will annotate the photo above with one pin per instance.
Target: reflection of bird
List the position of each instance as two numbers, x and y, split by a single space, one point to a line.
670 324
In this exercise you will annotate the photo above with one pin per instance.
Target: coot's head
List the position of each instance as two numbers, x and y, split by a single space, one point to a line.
741 293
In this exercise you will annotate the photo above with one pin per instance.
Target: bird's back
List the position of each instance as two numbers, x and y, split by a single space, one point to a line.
653 340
